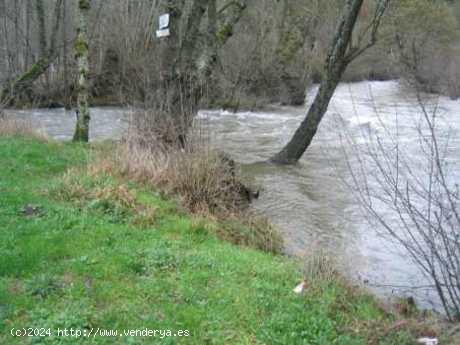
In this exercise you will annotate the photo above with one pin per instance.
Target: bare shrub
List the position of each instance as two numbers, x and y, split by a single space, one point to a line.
17 127
411 191
207 182
89 184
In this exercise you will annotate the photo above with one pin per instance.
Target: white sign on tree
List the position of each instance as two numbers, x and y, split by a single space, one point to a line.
163 27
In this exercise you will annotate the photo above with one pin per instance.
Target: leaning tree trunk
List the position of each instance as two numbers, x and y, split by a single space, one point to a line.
339 57
336 64
81 52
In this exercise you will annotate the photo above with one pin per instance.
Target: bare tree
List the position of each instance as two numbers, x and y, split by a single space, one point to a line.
188 60
411 192
22 85
342 52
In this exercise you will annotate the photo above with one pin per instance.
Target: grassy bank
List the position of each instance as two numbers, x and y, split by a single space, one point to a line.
115 255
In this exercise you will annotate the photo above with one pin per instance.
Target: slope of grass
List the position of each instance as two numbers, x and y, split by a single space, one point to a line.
114 256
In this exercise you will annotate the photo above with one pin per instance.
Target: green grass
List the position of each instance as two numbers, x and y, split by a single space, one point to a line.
82 263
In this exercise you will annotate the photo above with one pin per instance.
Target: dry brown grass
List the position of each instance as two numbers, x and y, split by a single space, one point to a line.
207 183
96 187
319 266
18 127
90 183
205 180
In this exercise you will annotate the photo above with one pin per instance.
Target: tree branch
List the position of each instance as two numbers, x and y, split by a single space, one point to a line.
374 25
238 4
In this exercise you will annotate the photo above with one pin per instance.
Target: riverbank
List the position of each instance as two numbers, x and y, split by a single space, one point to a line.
130 259
54 97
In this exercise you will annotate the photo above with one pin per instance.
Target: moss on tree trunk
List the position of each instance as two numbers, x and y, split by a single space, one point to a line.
21 87
81 53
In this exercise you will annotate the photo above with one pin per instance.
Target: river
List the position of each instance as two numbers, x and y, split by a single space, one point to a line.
309 202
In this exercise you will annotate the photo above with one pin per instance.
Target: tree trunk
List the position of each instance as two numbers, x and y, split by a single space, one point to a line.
3 10
181 84
28 20
64 54
17 38
57 24
81 52
40 9
335 66
187 63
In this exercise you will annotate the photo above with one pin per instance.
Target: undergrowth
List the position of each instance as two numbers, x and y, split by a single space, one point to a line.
203 182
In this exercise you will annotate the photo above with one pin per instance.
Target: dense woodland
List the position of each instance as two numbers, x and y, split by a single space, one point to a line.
272 53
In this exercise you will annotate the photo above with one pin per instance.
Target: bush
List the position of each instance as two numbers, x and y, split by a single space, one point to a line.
206 182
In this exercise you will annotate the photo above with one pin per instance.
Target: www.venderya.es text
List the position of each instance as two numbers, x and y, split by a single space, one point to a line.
97 332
